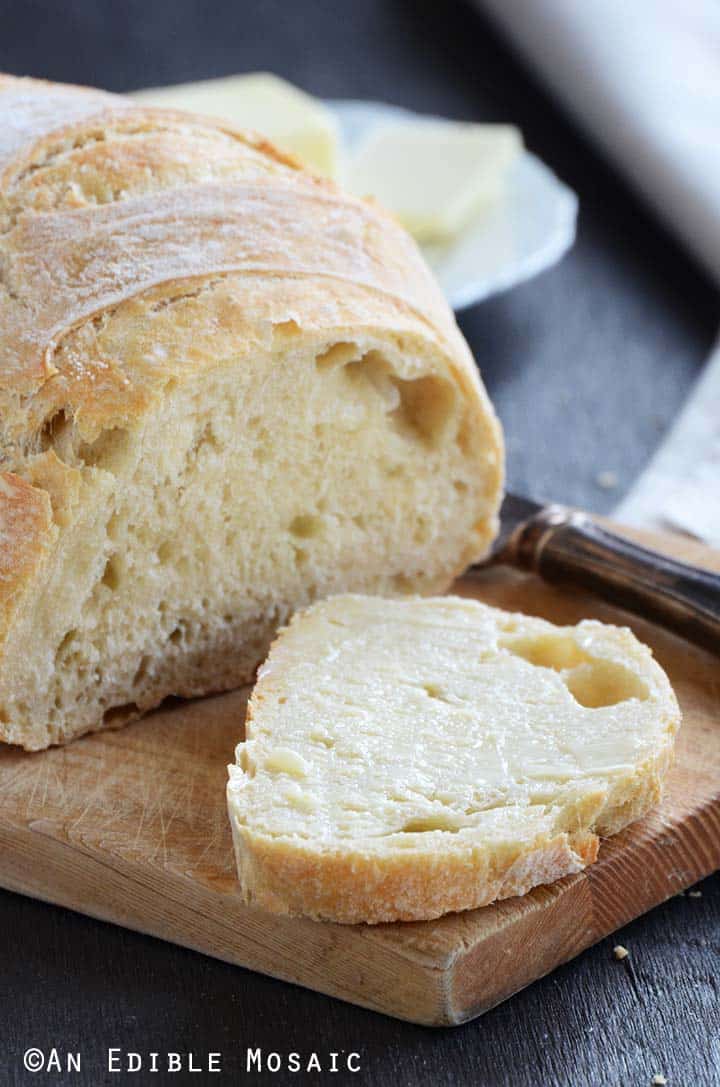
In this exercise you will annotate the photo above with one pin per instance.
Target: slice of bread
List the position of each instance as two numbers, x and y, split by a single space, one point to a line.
407 758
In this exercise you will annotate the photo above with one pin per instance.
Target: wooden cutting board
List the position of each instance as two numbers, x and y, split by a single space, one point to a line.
131 826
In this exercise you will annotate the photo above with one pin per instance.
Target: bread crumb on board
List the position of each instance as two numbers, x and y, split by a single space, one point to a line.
620 952
658 1080
694 894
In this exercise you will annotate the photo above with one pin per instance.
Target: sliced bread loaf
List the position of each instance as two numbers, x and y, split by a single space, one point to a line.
226 389
407 758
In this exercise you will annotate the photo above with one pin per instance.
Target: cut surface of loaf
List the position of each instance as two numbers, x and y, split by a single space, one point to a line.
226 389
408 758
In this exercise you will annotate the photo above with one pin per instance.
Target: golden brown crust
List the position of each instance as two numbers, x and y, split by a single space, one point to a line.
372 888
60 269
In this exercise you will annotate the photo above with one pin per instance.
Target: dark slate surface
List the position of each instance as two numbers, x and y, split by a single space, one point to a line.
587 365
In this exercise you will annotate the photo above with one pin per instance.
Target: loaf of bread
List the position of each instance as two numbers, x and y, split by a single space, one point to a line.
407 758
226 389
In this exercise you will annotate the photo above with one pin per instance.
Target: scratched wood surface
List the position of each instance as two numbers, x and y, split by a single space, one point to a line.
131 826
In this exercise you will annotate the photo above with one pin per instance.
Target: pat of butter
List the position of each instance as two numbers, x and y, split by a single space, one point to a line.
291 119
434 175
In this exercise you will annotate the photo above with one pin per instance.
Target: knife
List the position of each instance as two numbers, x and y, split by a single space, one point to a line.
562 544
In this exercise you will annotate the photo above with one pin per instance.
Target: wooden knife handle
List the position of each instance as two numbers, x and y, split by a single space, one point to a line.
564 545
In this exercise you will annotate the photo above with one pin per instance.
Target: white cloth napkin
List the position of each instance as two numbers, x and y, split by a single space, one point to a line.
643 78
680 488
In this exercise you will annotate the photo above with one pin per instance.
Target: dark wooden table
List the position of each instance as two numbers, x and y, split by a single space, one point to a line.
587 365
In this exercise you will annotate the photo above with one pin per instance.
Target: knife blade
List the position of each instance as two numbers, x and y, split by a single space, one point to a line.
565 545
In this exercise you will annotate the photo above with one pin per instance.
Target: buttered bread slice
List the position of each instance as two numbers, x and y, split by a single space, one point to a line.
407 758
